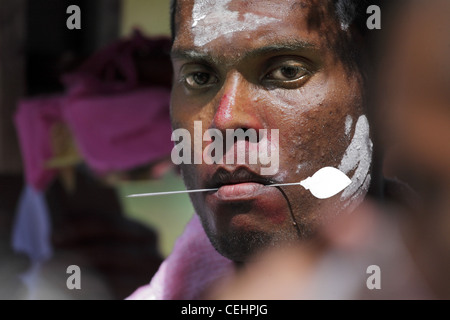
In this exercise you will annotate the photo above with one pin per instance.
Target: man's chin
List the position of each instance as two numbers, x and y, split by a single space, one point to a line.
240 246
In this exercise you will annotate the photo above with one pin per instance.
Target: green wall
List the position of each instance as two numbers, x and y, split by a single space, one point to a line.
151 16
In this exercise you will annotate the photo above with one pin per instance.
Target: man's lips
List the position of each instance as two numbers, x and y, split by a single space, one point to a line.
244 199
240 184
240 191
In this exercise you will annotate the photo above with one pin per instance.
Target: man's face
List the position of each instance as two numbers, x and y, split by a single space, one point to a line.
268 65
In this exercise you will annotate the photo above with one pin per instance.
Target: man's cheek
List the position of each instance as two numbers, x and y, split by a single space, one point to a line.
190 175
269 153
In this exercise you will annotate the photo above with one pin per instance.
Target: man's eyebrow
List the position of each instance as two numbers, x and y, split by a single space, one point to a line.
290 46
192 54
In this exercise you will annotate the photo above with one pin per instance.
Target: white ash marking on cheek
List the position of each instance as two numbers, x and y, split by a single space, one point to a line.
300 166
358 157
348 125
281 175
212 19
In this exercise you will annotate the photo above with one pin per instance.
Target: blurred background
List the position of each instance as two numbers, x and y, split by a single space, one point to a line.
62 194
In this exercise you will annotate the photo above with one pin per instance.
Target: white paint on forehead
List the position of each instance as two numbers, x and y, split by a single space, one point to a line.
358 157
212 19
348 125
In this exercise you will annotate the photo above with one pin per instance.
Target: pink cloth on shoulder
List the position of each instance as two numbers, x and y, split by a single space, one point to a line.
190 269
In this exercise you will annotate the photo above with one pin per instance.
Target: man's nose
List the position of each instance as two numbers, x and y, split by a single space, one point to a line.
235 108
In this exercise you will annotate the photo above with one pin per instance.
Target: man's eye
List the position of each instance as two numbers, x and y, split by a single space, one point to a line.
287 73
200 80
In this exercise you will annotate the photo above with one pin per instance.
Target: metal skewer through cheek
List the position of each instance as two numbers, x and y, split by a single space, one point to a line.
196 190
324 184
169 192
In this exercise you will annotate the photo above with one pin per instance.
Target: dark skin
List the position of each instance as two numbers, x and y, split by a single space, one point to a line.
282 75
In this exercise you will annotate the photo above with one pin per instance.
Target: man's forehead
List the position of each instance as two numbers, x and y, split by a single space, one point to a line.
245 5
242 24
274 7
196 10
210 20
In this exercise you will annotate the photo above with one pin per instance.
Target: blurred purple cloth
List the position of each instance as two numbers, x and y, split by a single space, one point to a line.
119 114
119 121
123 66
115 132
34 119
123 131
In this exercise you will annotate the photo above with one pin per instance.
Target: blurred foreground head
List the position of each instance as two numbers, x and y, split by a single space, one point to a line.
414 96
414 86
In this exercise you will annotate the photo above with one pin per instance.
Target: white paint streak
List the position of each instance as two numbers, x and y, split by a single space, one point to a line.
348 125
358 157
212 19
299 167
196 20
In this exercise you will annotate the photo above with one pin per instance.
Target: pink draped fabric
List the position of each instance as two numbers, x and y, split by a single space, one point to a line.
120 132
190 269
34 119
